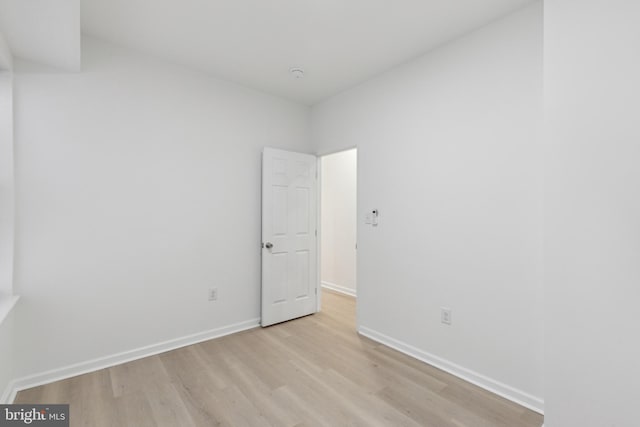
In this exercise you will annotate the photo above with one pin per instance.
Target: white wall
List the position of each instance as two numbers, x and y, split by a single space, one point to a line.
6 58
448 152
592 205
138 188
6 184
6 219
338 228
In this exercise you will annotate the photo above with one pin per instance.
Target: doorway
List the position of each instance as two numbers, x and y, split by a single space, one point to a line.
338 223
304 256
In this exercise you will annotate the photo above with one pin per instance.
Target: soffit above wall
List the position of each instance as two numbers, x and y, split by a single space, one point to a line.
43 31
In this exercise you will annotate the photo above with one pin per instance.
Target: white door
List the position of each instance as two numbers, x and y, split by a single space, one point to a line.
289 264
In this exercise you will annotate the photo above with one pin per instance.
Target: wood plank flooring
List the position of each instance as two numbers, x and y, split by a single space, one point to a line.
314 371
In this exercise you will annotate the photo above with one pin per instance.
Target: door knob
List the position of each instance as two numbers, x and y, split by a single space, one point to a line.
268 245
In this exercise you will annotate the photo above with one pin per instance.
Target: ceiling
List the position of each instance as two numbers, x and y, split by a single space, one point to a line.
338 43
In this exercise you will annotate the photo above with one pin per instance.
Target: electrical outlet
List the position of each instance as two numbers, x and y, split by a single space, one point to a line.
445 315
213 294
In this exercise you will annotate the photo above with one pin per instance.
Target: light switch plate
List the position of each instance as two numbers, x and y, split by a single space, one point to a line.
445 315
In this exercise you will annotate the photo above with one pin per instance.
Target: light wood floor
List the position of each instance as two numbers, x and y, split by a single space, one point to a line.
314 371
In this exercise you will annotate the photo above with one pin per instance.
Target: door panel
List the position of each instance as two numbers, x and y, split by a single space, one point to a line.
289 262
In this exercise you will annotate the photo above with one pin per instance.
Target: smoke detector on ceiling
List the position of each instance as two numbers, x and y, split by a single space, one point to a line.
297 73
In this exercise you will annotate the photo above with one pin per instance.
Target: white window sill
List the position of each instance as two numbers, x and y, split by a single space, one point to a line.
6 305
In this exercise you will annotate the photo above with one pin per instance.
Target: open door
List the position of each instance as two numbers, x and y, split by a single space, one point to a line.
289 235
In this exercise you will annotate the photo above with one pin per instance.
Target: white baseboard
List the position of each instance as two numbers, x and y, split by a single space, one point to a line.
9 394
338 288
6 305
116 359
517 396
